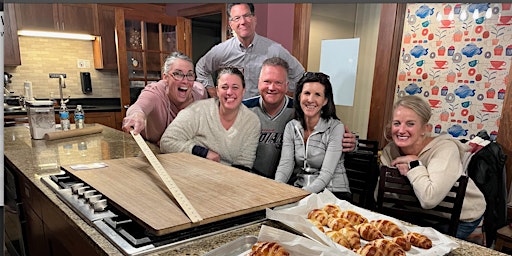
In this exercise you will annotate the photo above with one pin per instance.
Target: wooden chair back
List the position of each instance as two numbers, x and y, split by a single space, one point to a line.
362 172
396 198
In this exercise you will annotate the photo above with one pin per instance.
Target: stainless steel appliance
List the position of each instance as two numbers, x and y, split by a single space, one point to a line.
127 235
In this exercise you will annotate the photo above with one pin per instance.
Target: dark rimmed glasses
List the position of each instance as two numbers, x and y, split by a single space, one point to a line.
318 75
179 76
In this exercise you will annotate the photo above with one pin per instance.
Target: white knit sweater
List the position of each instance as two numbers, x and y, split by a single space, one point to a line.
199 124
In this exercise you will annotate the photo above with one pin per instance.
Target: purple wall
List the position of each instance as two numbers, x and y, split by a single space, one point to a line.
280 24
274 21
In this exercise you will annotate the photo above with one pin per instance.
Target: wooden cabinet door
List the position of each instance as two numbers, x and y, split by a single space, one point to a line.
104 118
72 18
37 16
78 18
11 43
144 40
104 49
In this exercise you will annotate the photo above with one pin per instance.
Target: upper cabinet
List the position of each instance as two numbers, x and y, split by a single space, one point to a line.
104 48
11 43
144 40
70 18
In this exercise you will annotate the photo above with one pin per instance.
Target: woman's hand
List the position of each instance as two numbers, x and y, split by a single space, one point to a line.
212 155
402 163
135 121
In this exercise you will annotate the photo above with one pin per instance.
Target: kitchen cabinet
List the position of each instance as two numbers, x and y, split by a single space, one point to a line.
144 40
104 47
71 18
47 230
105 118
11 43
31 198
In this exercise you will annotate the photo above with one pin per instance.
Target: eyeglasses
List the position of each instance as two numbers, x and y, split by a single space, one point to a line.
179 76
245 16
318 75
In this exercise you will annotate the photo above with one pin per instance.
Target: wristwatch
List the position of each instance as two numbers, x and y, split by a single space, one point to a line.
414 163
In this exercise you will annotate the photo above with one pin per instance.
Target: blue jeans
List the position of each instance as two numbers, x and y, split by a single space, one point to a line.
464 230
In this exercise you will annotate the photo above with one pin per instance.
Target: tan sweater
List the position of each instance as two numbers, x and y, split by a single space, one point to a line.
199 124
442 166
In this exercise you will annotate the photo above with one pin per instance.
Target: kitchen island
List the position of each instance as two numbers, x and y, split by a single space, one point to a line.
52 228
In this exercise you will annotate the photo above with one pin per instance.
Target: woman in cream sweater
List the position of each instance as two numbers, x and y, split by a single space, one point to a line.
220 129
432 164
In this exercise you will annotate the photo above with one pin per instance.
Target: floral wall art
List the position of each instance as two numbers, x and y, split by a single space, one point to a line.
457 57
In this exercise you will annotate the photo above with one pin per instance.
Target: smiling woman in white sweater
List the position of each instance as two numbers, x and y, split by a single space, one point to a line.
432 164
220 129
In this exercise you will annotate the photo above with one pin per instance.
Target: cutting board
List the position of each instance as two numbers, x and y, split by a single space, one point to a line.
215 190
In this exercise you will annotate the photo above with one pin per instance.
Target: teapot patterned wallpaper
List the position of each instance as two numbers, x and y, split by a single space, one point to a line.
457 57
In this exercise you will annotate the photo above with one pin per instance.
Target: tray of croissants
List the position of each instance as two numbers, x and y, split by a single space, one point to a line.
353 230
273 241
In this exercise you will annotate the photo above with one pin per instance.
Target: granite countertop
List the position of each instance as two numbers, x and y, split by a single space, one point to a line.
112 144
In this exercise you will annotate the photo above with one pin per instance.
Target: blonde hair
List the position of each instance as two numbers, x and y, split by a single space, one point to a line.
414 103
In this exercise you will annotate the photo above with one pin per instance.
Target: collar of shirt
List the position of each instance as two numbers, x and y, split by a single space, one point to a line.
241 45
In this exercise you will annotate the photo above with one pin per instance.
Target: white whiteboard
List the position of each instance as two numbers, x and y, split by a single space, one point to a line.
338 59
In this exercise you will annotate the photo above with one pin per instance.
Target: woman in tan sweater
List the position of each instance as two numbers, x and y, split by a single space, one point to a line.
220 129
432 164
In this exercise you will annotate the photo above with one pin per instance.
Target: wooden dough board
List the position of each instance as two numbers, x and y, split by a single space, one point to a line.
215 190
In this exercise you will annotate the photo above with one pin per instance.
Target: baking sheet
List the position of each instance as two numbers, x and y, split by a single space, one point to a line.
240 246
292 243
296 218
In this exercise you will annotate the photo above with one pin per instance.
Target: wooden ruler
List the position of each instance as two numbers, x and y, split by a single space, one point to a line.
168 181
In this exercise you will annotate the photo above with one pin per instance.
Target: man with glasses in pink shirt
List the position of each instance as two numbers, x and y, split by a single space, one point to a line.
159 103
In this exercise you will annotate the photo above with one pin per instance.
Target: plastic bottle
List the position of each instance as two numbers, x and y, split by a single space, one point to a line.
79 117
54 101
64 117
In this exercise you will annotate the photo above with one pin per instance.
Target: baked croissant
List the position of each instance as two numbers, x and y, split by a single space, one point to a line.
338 223
403 242
369 232
370 250
268 249
352 236
389 247
317 224
319 215
332 209
352 216
419 240
387 227
338 238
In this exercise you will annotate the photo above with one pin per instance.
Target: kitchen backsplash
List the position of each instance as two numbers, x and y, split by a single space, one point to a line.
41 56
456 57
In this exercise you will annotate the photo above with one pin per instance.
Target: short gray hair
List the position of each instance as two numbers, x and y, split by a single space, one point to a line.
172 58
277 62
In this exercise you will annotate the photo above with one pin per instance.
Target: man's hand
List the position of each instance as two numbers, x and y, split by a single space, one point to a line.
212 92
137 121
212 155
349 141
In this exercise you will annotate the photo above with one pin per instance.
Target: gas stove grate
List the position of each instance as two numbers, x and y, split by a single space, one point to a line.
137 236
